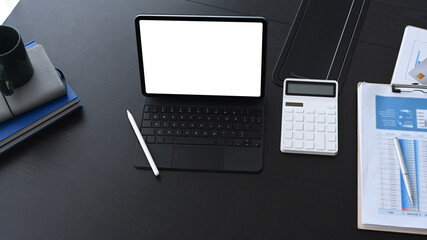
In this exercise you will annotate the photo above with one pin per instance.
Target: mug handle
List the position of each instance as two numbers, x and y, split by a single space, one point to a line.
6 87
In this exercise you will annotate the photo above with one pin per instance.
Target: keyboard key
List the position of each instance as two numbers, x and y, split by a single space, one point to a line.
288 134
159 132
168 140
194 141
164 124
155 116
147 131
168 132
160 139
146 124
156 124
163 117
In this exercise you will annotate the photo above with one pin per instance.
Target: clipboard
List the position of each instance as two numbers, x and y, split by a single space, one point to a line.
395 90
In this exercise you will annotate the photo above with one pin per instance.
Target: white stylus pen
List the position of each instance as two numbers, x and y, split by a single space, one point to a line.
403 168
143 145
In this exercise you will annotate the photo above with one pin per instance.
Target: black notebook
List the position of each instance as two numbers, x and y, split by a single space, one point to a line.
203 82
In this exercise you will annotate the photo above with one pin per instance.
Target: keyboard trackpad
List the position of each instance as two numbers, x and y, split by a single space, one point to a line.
198 158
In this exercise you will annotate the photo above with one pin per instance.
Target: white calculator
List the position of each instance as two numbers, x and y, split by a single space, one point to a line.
310 116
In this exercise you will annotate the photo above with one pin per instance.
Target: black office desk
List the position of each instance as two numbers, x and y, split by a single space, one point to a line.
76 179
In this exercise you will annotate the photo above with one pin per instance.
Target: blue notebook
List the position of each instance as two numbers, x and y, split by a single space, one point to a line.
19 128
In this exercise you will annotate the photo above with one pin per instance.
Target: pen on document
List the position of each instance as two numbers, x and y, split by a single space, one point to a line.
143 145
403 169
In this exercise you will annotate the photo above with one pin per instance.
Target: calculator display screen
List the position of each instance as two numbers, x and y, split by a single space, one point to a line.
319 89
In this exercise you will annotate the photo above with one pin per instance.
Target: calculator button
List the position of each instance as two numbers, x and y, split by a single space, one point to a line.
309 127
309 111
320 127
287 143
331 146
320 119
299 135
308 145
332 106
332 112
288 126
289 110
299 118
309 118
289 117
320 111
320 141
331 128
299 126
299 110
309 136
298 144
330 137
330 119
288 135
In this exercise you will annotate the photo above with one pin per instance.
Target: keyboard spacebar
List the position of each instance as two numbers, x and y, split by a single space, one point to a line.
195 141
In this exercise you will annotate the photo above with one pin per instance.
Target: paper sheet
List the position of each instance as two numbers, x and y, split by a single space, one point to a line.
384 115
6 7
413 50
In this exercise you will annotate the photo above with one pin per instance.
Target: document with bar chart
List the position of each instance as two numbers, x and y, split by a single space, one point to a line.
383 199
413 50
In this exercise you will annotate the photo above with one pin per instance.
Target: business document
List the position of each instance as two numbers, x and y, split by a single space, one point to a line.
382 116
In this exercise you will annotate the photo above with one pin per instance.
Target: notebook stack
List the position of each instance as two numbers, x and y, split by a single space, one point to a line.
45 99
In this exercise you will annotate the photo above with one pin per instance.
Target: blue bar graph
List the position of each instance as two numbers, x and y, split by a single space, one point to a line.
410 150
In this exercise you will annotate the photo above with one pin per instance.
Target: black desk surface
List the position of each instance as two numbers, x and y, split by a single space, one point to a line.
76 179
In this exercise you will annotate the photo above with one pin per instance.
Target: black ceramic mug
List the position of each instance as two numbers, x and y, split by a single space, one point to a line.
15 66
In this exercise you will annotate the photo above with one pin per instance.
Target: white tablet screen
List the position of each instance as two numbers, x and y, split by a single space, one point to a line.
212 58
